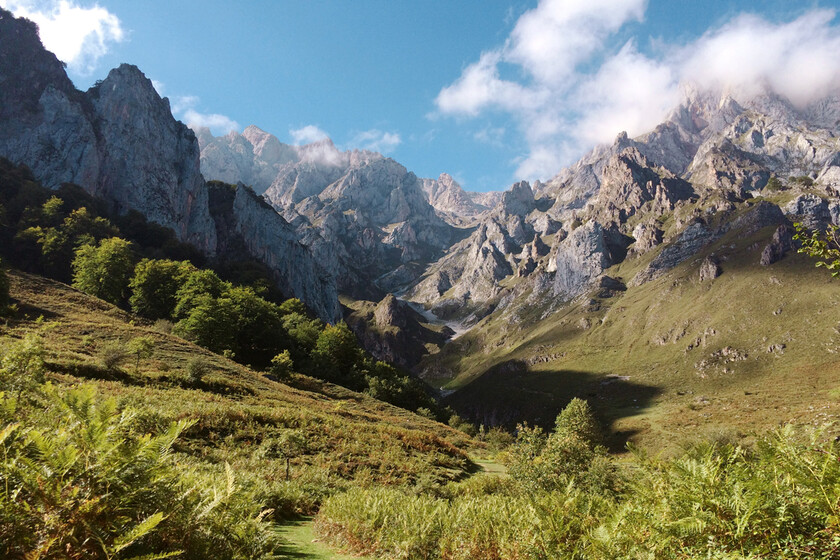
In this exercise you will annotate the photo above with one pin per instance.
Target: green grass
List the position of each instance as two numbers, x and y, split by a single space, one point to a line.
304 545
350 437
639 362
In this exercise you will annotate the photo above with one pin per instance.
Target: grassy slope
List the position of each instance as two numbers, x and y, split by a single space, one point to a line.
350 436
634 362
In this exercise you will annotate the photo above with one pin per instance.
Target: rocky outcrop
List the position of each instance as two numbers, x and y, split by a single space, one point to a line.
246 225
118 140
630 182
581 258
779 246
686 245
391 330
709 269
455 205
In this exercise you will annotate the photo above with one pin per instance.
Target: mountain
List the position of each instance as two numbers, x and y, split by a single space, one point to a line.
364 215
120 142
455 205
653 269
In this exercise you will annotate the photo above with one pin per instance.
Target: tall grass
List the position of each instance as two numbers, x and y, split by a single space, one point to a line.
780 499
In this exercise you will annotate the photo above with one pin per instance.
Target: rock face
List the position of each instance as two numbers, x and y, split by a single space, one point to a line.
365 213
781 243
118 140
455 205
120 143
245 224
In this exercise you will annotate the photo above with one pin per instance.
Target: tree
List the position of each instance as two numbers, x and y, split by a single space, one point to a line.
140 347
336 352
824 246
103 271
576 419
154 287
282 365
288 445
211 323
198 283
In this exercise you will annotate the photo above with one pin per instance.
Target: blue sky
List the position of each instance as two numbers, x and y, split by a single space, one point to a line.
489 91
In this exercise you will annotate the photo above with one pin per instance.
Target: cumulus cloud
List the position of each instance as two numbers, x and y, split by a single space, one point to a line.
376 141
184 108
578 85
76 34
307 134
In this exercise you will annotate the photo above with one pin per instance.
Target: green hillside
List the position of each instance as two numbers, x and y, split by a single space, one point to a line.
670 360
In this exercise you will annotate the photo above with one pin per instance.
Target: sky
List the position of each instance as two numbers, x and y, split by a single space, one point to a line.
488 91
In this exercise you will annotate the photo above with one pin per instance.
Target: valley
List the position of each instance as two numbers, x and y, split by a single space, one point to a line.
224 345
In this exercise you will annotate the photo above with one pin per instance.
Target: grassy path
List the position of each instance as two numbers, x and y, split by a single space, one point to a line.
304 546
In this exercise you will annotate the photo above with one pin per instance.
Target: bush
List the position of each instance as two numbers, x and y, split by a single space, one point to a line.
282 365
113 355
77 486
197 368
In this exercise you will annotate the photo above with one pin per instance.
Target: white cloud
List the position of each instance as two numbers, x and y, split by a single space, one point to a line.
159 86
77 35
376 140
307 134
575 87
184 108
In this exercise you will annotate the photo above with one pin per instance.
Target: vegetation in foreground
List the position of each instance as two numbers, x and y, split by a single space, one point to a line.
173 449
565 499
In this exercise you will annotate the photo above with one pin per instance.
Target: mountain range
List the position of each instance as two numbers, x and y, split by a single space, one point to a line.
497 294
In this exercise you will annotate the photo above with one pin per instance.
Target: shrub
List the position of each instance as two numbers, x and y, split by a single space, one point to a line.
197 368
282 365
22 365
113 355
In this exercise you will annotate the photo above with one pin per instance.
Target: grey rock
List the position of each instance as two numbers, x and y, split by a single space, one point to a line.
781 243
691 240
580 259
810 209
709 269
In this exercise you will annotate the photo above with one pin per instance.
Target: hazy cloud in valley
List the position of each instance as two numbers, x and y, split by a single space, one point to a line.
77 35
573 87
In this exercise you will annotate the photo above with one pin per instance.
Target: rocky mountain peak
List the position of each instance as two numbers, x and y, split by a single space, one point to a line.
518 200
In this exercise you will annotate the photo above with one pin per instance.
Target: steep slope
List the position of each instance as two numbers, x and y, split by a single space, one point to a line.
654 278
120 142
234 409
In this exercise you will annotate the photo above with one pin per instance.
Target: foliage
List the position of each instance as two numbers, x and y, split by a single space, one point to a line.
154 287
778 500
140 347
77 484
773 184
22 365
824 246
104 270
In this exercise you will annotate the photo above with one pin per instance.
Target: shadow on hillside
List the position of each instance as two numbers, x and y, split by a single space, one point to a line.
510 393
